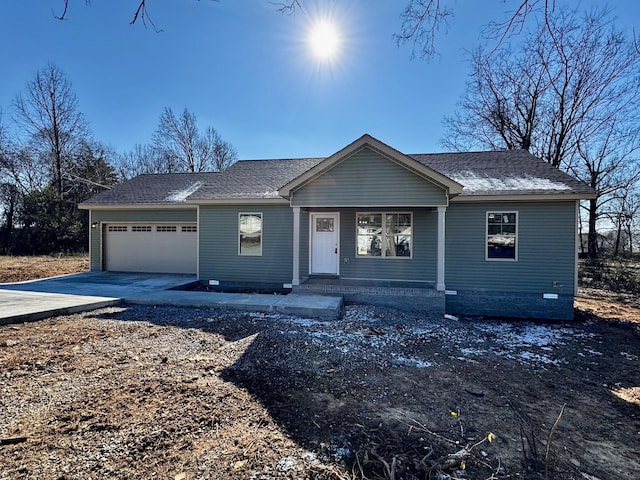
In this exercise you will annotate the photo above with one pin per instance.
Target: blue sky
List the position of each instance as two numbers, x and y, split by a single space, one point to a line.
245 69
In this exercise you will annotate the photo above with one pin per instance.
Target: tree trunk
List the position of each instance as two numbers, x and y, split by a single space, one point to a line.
618 235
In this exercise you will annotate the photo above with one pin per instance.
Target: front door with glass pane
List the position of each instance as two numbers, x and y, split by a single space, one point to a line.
324 243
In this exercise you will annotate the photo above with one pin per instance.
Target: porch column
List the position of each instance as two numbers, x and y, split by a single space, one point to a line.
296 246
441 239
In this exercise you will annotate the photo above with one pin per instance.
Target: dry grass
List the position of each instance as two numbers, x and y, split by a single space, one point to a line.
19 269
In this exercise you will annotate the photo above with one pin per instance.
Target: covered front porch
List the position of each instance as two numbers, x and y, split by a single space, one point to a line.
333 249
372 218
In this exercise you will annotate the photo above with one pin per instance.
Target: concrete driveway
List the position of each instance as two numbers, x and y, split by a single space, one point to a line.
38 299
34 300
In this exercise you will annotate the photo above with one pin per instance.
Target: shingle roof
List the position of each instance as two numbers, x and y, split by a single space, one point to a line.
509 172
157 188
505 172
254 179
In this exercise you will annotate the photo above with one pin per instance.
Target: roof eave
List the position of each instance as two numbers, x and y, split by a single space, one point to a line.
523 197
134 206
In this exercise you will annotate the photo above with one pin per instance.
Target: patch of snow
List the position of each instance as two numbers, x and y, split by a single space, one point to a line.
411 362
287 463
474 183
526 335
473 351
307 322
593 352
181 195
536 358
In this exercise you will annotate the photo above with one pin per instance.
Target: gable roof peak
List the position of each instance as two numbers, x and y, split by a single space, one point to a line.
382 149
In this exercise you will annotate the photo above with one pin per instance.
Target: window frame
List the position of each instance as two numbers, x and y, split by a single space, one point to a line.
261 215
486 236
383 234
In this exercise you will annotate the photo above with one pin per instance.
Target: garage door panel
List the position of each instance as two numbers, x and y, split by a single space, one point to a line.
151 248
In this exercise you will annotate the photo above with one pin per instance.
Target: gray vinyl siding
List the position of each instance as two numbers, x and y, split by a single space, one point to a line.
219 258
143 215
546 249
421 267
368 179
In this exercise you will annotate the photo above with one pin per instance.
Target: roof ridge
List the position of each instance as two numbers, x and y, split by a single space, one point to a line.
518 150
280 159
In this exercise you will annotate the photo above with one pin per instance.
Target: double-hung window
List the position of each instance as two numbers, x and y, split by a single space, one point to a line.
382 234
250 234
502 235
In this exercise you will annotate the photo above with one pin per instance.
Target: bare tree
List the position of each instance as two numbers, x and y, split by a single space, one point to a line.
184 148
141 159
568 93
221 154
50 121
625 216
420 20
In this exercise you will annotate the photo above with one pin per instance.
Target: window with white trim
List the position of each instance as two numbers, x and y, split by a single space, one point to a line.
383 234
502 235
117 228
141 228
189 228
166 228
250 234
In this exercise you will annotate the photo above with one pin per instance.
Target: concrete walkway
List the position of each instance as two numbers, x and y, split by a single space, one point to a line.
28 301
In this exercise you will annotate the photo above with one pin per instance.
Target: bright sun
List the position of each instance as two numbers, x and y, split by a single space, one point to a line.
324 40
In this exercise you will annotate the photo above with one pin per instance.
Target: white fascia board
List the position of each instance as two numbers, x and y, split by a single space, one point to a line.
521 198
137 206
370 205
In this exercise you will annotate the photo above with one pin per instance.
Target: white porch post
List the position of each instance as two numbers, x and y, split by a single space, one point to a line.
296 246
441 239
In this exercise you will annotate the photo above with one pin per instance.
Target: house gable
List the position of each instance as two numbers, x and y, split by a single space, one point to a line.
368 173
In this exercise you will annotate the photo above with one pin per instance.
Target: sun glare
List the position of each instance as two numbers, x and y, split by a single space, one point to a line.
324 41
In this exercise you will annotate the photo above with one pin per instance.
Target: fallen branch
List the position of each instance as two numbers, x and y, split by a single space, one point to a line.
12 440
549 440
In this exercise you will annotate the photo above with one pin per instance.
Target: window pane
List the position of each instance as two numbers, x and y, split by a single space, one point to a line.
250 223
370 223
250 226
398 246
374 245
508 218
502 246
501 235
324 224
384 234
494 218
494 229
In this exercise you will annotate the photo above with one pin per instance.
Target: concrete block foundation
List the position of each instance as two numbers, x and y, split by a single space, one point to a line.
507 304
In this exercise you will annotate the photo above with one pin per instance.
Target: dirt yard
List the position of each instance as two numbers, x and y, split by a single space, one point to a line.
175 393
18 269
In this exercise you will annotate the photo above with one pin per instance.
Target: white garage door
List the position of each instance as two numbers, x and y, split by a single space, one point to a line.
156 248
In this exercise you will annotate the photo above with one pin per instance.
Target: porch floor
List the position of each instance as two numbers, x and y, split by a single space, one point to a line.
350 284
418 296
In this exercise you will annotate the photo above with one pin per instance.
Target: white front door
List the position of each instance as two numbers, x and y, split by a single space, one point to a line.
324 243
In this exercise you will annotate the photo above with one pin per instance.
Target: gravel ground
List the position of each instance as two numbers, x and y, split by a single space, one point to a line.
179 393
